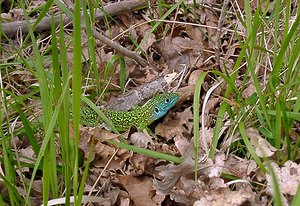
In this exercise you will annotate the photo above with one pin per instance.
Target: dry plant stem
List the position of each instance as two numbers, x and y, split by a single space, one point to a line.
119 48
11 28
220 24
102 172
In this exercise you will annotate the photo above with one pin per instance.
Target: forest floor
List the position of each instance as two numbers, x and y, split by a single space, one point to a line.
232 138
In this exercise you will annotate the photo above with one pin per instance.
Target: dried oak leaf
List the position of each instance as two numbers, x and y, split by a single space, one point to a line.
288 177
211 20
27 155
194 76
139 163
180 51
184 146
142 75
140 190
182 126
249 91
104 150
169 53
146 43
88 134
140 139
239 166
226 197
171 173
185 191
261 146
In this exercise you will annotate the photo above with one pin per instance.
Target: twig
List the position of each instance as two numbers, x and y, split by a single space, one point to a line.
220 24
119 48
11 28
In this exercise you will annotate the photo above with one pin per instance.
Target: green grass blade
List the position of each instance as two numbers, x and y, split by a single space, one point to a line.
281 55
45 143
67 152
250 148
296 199
224 105
175 6
277 133
56 93
85 173
91 46
147 152
76 88
46 105
196 112
43 13
28 130
275 187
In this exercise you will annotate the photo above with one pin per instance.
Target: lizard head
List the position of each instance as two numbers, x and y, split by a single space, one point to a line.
160 104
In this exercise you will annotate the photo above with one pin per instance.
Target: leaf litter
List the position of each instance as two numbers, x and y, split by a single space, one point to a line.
127 178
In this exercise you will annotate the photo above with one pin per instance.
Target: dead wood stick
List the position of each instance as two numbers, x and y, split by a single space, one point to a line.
11 28
220 24
119 48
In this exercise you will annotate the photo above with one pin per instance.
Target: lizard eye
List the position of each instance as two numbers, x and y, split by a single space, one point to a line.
167 100
156 110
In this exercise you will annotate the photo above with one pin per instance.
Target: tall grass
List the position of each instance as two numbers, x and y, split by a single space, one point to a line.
273 48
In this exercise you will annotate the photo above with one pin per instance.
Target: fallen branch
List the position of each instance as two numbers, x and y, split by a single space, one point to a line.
11 28
112 9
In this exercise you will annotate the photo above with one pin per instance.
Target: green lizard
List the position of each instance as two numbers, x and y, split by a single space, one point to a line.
140 116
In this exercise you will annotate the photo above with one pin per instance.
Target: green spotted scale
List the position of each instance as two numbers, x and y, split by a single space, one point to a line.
140 116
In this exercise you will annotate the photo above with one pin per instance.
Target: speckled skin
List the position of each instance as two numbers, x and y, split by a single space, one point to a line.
140 116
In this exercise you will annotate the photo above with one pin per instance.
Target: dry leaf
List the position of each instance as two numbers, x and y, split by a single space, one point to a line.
225 197
239 166
288 177
194 77
171 173
140 190
140 139
182 126
139 163
261 146
209 110
148 42
104 150
249 91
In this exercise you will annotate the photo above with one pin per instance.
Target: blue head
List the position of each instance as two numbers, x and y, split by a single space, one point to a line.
160 104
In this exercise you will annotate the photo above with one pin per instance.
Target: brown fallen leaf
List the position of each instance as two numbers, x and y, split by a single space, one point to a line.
140 139
140 190
239 167
139 163
170 174
182 126
261 146
104 150
288 177
249 91
226 197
